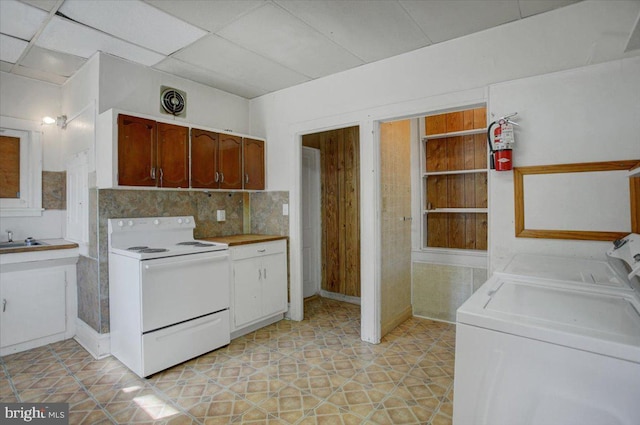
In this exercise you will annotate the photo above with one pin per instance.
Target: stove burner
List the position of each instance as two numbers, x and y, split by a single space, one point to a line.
152 250
137 248
196 244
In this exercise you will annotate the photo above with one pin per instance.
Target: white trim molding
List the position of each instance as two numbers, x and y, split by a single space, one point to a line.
97 344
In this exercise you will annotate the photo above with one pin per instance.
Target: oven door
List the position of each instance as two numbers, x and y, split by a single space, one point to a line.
176 289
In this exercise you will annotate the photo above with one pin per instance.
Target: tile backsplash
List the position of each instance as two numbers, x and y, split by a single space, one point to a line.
263 209
54 190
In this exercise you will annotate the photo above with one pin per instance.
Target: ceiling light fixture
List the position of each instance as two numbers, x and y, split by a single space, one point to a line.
60 121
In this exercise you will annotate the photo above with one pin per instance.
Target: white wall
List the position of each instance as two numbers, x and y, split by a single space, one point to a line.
436 77
136 88
589 114
31 100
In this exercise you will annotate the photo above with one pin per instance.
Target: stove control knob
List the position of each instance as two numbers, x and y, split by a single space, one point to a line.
120 223
180 221
156 222
186 220
130 223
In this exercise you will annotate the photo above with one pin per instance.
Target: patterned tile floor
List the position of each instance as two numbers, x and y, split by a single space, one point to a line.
317 371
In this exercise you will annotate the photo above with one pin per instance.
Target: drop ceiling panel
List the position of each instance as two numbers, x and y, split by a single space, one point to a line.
533 7
5 66
219 55
209 78
443 20
207 14
52 62
11 48
19 19
134 21
371 30
47 5
274 33
39 75
69 37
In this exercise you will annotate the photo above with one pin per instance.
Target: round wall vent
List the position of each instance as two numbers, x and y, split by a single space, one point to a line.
173 101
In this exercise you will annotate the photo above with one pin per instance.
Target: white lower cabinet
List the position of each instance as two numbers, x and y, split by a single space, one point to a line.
35 307
259 285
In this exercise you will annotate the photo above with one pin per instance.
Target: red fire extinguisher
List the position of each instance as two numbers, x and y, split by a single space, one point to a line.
503 141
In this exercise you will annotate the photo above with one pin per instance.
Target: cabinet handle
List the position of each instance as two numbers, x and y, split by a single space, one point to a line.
153 173
221 177
259 274
246 178
265 273
4 305
161 176
217 176
262 250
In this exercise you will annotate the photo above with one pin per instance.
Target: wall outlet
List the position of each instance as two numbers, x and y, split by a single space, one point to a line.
285 209
221 215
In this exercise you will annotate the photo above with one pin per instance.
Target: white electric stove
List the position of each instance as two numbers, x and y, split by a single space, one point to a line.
552 340
168 293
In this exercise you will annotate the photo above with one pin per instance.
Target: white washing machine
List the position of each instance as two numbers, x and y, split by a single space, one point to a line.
539 347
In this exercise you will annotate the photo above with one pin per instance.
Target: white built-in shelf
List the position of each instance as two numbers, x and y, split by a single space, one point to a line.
455 134
456 210
445 173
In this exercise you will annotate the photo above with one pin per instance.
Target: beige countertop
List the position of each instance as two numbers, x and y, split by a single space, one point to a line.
51 244
234 240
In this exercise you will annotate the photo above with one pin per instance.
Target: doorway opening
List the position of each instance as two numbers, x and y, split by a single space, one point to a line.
330 193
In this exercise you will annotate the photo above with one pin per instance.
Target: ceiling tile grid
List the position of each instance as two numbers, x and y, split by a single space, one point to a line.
248 48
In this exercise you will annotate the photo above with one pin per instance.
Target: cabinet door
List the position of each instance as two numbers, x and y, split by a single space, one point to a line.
274 284
230 149
253 164
33 305
204 159
136 151
247 297
173 155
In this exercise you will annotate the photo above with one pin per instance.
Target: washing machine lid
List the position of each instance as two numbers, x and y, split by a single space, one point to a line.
576 270
602 322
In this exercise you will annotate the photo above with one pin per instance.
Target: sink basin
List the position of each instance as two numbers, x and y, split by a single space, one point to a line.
5 245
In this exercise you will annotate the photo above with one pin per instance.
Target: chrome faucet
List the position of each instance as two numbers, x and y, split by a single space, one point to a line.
9 236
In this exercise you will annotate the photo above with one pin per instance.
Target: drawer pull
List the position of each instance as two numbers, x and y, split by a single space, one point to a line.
4 305
262 250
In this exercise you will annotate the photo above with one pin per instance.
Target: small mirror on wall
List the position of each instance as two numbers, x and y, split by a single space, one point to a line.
585 201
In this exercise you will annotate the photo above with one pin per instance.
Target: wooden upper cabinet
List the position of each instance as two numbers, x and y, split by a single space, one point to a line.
204 159
230 161
136 151
253 164
173 155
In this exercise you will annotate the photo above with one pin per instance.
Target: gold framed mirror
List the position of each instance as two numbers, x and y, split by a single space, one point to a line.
601 212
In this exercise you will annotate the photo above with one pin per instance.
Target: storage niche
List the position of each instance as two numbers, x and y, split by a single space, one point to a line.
454 180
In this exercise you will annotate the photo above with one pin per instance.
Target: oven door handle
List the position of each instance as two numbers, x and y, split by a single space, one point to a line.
184 262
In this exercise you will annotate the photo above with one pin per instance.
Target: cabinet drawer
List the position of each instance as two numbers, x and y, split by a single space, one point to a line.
258 249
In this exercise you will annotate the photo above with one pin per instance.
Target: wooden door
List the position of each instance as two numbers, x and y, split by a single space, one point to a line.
136 151
230 165
204 159
173 155
395 219
340 169
253 164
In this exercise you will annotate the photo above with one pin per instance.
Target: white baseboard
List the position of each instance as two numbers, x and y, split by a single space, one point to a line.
340 297
97 344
